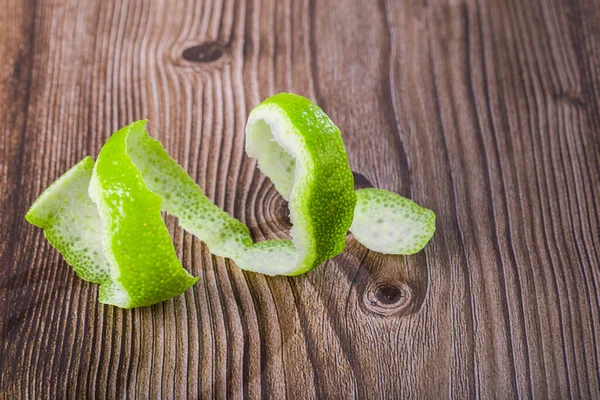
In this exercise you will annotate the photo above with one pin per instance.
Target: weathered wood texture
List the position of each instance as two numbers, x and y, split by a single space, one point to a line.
485 111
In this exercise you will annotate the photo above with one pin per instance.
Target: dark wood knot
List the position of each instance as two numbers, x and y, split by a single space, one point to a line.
388 299
388 294
275 223
205 53
284 213
361 181
571 97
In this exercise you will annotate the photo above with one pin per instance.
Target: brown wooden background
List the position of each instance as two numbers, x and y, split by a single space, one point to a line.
486 111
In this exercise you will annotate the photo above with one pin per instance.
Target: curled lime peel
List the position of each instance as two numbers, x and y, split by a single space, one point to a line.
105 217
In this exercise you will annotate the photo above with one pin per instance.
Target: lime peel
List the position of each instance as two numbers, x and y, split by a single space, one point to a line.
391 224
105 218
136 241
71 222
302 151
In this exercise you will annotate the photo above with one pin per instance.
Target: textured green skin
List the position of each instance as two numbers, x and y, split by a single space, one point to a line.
377 211
149 269
62 211
328 198
183 198
44 209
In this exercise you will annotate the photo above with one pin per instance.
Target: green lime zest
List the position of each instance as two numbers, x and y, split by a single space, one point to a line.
145 267
302 152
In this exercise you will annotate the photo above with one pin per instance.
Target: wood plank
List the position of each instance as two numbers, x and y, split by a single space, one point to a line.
485 111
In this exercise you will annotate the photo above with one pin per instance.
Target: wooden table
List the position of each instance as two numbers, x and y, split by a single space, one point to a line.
487 112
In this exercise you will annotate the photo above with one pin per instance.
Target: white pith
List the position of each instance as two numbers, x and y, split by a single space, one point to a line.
268 125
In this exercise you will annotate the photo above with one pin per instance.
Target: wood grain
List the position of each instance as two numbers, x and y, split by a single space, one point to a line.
485 111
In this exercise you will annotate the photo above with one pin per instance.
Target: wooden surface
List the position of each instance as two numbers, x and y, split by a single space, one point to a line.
485 111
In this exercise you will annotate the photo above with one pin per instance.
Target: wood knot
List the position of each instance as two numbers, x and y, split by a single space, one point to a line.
203 56
273 220
388 299
388 294
284 213
280 217
204 53
571 97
